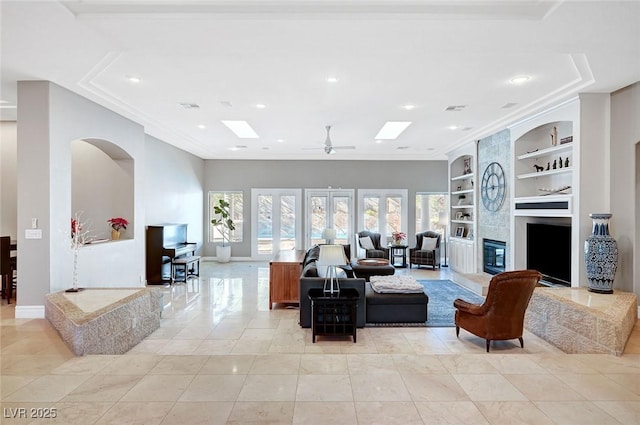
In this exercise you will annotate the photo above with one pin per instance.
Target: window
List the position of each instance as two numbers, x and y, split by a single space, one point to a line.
235 207
383 211
276 221
429 207
329 208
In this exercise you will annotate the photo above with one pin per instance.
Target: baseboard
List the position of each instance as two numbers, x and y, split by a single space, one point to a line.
29 312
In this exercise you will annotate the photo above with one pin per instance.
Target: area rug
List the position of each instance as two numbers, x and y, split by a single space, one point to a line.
440 311
442 293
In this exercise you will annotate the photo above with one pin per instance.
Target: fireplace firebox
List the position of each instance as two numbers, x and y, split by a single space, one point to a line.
494 254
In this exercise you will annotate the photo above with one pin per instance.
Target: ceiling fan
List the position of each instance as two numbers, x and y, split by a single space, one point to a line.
329 149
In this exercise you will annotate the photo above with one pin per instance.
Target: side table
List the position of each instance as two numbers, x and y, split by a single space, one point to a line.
398 251
333 314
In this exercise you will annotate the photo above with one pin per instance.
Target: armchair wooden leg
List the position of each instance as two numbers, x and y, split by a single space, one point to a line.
457 331
488 344
521 342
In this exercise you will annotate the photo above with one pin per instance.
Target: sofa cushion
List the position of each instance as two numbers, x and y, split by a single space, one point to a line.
312 255
429 244
374 298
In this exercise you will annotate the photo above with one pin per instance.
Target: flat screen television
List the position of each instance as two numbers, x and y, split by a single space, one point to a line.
549 252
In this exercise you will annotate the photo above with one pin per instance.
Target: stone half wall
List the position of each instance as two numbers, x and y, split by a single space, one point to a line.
494 225
578 321
111 329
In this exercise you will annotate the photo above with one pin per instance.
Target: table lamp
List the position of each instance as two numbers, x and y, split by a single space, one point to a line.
331 256
329 235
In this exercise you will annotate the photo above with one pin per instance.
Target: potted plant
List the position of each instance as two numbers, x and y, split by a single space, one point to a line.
117 224
225 223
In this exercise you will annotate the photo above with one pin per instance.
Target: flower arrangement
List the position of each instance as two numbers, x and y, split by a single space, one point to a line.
118 223
398 237
76 227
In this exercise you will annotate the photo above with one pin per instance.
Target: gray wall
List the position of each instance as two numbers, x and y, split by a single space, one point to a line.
494 225
239 175
8 182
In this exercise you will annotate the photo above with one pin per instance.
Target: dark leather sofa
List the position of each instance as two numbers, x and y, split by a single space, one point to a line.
310 279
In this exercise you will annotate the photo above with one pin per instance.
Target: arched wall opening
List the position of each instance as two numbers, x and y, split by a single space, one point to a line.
102 187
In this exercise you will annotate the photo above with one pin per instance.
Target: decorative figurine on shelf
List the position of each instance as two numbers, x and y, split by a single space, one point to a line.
554 136
538 168
555 164
548 166
560 163
566 162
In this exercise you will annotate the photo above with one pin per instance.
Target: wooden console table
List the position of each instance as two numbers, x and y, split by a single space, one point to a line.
284 277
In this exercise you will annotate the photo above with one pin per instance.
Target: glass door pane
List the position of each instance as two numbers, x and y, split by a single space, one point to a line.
318 218
276 221
371 213
342 219
265 224
287 222
394 214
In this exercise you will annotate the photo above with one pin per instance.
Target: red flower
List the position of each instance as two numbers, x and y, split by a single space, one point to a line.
118 223
75 227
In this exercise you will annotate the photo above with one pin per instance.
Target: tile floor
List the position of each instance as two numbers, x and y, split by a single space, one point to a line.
222 357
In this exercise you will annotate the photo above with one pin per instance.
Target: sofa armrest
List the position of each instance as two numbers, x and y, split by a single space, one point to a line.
467 307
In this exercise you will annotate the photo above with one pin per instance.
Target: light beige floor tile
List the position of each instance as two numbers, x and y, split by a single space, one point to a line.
295 348
513 413
379 387
626 412
324 364
11 383
324 388
630 382
362 364
269 388
543 387
510 364
450 413
158 388
258 335
414 363
563 363
467 364
214 388
194 332
131 365
179 365
276 364
251 347
135 413
387 413
214 347
433 387
165 331
576 413
604 363
148 346
198 413
103 388
271 412
263 323
598 387
26 364
316 413
226 332
489 387
180 346
231 364
85 365
49 388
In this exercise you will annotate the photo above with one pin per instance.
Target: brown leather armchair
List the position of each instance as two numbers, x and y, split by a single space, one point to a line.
425 257
501 316
378 250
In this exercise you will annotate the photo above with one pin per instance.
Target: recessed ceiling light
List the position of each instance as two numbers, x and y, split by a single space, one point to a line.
202 126
133 79
332 79
187 105
260 105
409 106
401 148
392 129
378 141
519 79
238 147
280 140
242 129
453 127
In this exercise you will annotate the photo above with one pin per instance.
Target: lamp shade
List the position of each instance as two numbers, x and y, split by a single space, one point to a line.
329 234
443 219
331 255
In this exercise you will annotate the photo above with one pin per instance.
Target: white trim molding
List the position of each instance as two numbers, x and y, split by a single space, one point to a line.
29 312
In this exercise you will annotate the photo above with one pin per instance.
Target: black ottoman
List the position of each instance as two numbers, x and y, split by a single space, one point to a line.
365 271
395 308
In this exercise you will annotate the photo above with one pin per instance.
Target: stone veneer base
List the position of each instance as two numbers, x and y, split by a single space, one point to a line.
578 321
111 329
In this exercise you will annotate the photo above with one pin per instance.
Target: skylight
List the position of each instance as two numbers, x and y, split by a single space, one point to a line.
392 129
242 129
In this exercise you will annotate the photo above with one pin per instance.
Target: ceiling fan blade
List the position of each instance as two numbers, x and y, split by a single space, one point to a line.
344 147
311 149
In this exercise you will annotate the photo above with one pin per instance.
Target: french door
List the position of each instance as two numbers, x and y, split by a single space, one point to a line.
329 209
276 221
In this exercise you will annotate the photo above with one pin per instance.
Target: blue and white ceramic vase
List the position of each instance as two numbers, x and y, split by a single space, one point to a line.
601 255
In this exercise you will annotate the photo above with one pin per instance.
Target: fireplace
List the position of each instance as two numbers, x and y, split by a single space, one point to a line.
493 256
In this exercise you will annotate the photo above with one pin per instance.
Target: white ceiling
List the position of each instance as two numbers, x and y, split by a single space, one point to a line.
228 56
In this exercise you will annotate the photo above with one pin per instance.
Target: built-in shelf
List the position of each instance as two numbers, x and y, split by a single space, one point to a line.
547 151
462 221
462 206
546 173
459 239
462 177
460 192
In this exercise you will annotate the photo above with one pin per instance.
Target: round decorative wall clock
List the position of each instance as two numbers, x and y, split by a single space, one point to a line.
493 187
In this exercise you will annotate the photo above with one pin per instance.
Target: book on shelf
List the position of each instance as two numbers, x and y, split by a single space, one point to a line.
567 139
